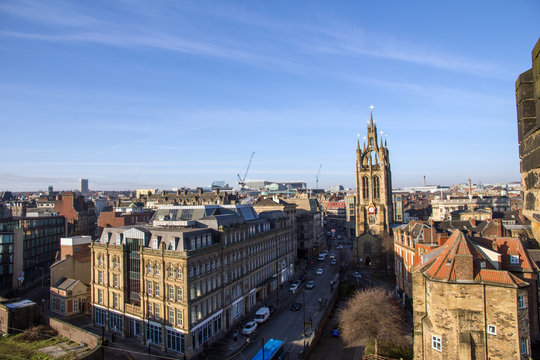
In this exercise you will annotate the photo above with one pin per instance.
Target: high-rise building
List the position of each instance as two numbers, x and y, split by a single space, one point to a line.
373 213
83 186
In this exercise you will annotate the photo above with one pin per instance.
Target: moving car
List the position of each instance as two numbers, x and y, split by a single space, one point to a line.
310 284
249 328
322 257
332 256
333 262
319 271
295 306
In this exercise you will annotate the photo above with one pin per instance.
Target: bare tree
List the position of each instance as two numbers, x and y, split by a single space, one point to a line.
370 315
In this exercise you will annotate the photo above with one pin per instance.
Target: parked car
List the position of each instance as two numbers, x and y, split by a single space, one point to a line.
319 271
339 247
295 306
294 287
262 314
322 257
333 262
357 275
310 284
249 328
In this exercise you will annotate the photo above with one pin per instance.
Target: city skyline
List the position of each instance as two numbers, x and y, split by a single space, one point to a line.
134 94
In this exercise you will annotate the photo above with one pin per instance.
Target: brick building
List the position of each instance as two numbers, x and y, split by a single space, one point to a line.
117 217
79 213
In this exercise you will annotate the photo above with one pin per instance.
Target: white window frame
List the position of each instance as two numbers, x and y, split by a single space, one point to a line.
436 343
514 259
523 348
492 330
522 303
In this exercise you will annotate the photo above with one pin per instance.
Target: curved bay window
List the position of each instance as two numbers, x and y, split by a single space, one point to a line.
365 187
376 191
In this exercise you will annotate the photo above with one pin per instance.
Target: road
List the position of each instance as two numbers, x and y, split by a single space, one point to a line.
287 325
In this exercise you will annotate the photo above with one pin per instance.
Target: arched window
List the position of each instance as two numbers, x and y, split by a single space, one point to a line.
365 187
376 192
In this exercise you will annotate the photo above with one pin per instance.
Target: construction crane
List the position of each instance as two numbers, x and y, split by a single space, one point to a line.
317 177
242 181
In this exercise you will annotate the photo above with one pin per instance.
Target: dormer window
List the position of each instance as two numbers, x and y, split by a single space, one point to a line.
514 259
155 243
448 261
482 264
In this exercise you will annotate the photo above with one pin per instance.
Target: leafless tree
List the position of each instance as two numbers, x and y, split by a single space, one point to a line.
368 315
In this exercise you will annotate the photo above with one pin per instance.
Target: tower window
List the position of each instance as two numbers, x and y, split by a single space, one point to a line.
365 187
376 192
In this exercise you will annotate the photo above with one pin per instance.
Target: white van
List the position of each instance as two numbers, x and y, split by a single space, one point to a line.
262 314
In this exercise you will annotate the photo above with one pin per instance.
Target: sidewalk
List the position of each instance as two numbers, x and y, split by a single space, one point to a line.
226 347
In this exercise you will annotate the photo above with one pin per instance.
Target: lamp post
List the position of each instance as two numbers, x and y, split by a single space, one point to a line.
304 322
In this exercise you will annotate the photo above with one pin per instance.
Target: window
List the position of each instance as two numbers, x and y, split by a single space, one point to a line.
436 343
514 259
171 315
100 260
115 280
75 305
155 243
170 272
100 277
115 263
100 296
178 293
191 271
178 273
178 317
170 289
521 301
492 330
156 311
156 289
150 287
523 346
175 341
149 268
156 269
115 300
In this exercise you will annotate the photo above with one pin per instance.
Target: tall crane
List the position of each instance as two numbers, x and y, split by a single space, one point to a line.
242 181
317 177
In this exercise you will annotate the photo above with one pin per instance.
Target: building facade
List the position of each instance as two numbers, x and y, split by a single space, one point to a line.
528 123
191 275
442 208
469 304
28 247
79 213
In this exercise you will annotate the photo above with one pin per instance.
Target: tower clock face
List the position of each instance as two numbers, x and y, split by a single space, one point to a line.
371 209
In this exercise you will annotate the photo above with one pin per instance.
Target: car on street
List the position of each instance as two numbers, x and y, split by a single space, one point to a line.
357 275
319 271
339 247
249 328
322 257
333 262
294 287
332 256
295 306
310 284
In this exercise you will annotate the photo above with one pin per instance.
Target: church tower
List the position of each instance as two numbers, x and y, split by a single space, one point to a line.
373 195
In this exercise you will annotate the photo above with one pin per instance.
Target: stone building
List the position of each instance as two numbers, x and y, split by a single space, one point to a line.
442 208
186 197
528 122
373 212
470 303
191 275
309 226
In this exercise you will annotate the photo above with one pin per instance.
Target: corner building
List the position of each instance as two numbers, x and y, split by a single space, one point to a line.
191 275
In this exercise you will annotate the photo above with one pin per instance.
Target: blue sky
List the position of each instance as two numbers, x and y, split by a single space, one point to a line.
168 94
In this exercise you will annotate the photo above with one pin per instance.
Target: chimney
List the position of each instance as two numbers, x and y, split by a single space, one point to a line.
424 180
200 191
470 186
464 267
